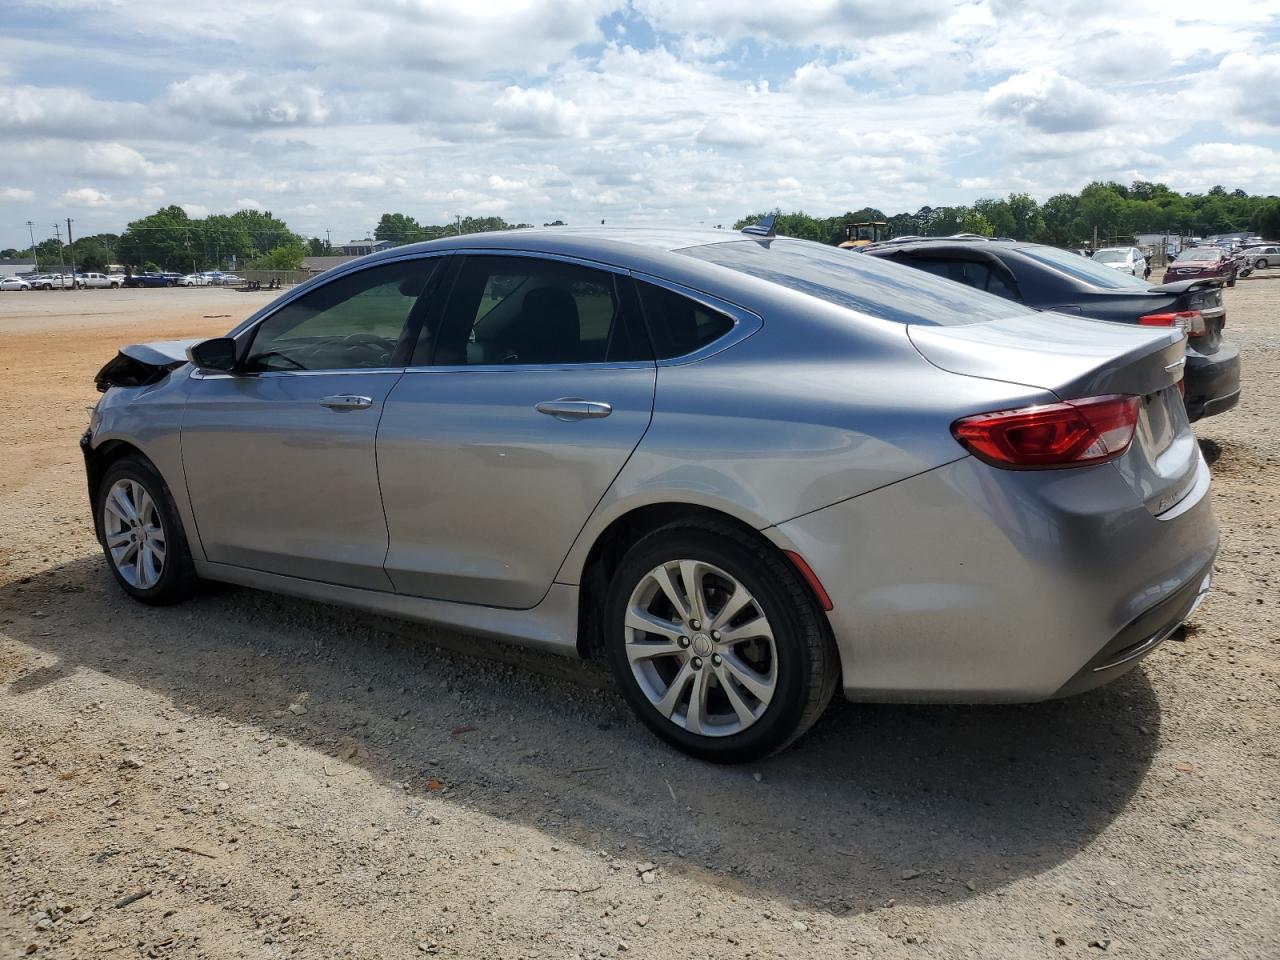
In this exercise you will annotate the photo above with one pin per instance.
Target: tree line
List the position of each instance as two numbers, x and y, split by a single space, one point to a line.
1116 211
170 239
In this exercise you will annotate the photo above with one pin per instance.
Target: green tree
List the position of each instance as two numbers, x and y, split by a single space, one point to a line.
285 257
975 222
1266 219
398 228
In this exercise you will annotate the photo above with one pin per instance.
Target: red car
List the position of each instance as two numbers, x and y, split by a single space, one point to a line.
1202 263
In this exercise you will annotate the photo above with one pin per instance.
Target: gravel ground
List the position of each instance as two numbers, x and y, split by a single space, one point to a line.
251 776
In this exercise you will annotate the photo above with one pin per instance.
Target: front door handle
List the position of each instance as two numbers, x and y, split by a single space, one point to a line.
347 401
574 408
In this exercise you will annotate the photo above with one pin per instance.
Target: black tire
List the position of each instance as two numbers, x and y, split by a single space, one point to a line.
1260 263
807 665
177 580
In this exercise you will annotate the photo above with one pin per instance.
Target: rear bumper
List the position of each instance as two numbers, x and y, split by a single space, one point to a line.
1212 381
972 584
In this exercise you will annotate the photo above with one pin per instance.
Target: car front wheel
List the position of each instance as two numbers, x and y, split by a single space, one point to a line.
1260 263
142 535
717 642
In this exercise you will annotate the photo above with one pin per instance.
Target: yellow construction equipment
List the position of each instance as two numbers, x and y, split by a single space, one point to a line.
863 233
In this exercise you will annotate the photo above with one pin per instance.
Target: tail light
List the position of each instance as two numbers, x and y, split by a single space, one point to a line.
1190 322
1052 435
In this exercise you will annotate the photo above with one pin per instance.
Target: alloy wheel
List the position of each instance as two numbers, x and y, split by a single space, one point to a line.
701 648
134 533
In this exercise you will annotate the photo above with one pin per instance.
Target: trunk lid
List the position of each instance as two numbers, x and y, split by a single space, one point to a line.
1076 357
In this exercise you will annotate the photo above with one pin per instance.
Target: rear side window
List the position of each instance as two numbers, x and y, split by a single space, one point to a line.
860 282
678 325
525 310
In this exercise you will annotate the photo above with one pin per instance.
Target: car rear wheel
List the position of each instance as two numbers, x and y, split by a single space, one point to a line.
1260 263
142 535
717 642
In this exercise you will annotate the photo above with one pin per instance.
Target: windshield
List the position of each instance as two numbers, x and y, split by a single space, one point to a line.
869 285
1110 256
1082 268
1199 253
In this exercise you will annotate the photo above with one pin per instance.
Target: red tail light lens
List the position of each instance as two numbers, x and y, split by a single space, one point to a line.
1053 435
1191 322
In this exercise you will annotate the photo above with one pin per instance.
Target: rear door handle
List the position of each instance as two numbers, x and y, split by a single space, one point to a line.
574 408
347 401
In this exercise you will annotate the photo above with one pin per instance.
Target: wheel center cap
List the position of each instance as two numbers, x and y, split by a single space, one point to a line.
702 645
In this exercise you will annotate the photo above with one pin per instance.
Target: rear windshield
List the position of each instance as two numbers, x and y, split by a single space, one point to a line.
1082 268
1199 253
1110 256
867 284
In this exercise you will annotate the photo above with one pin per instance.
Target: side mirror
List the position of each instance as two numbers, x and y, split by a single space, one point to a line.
216 354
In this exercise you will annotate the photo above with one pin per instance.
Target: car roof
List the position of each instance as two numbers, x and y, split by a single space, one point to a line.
632 246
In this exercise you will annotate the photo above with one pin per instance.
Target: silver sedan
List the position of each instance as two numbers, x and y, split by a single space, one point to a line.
746 470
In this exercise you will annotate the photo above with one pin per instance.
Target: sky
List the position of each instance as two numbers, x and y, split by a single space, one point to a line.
673 112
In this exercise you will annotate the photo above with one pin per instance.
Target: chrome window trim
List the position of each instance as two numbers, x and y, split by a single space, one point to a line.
539 255
200 374
745 323
517 367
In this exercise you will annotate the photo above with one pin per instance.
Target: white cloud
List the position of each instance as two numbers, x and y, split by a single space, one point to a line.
89 197
1046 100
16 193
823 23
246 100
538 113
111 159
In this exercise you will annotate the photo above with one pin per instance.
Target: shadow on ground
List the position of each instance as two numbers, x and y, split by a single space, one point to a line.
972 798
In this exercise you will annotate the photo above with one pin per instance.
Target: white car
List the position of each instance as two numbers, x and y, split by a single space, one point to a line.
50 281
99 281
1262 257
194 280
1128 260
14 283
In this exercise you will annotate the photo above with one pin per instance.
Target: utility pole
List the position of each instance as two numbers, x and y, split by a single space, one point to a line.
62 261
31 232
328 243
72 249
457 223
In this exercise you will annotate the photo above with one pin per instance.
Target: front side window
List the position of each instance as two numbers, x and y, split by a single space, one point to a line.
514 311
353 322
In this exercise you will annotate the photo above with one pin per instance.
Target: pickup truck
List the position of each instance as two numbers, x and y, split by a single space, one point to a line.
99 281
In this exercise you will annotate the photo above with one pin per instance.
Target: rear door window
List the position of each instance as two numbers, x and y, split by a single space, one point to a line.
526 310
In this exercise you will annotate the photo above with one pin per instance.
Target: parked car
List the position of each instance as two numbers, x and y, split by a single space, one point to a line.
746 470
1208 262
52 281
1261 257
1128 260
14 283
231 279
193 280
1051 279
99 281
152 279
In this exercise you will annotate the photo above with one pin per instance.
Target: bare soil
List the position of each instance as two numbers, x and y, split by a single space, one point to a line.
247 775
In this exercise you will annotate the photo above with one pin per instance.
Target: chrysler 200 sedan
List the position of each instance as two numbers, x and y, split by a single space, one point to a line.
746 470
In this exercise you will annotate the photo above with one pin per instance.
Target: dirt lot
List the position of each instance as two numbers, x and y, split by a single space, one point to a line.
252 776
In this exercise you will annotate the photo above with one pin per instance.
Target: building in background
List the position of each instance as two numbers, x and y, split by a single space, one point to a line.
11 268
360 248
